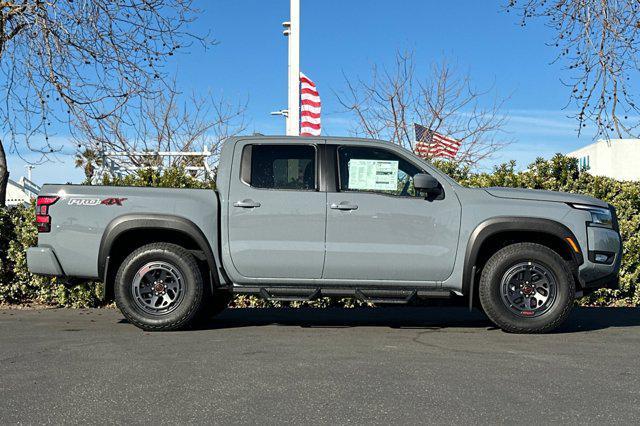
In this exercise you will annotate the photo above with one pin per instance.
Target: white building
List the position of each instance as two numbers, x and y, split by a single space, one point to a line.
21 192
615 158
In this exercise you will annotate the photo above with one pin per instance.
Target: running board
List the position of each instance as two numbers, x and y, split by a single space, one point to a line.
368 295
289 294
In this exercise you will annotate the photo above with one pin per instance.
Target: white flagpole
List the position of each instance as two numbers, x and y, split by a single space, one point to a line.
293 116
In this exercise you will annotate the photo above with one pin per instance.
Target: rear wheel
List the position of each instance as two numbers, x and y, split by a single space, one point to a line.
159 287
527 288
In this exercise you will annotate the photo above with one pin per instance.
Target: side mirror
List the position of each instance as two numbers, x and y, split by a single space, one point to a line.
426 183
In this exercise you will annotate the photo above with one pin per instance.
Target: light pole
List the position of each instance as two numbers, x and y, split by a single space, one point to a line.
292 31
293 118
29 168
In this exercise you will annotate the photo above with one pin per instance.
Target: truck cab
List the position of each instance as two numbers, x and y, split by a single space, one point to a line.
334 212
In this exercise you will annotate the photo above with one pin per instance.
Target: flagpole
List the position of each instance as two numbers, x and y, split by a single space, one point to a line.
293 113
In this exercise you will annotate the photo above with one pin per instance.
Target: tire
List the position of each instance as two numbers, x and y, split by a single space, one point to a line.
150 277
527 288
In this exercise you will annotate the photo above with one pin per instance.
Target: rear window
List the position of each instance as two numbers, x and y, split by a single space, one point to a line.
283 167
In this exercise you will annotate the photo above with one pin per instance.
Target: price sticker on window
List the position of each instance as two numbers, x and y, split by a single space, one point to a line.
373 175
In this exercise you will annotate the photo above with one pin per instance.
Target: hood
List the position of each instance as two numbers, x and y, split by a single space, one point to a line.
541 195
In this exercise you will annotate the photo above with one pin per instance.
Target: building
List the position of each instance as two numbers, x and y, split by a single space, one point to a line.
21 192
614 158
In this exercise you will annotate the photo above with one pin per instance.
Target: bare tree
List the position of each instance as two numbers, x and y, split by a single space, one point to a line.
70 59
597 41
388 103
165 123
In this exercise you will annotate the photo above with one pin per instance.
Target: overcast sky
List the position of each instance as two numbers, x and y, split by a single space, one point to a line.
348 37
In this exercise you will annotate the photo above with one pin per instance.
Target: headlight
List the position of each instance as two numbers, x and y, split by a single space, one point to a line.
599 216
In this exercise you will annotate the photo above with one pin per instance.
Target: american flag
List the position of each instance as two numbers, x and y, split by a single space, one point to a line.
430 144
309 108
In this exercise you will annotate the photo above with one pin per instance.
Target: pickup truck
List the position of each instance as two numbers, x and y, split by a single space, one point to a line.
301 218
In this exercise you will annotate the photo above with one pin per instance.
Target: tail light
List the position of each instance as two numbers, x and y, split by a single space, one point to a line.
43 220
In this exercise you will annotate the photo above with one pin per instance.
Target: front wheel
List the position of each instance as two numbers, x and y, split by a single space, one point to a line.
527 288
159 287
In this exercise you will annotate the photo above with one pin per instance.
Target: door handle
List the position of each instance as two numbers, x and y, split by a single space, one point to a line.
246 204
344 205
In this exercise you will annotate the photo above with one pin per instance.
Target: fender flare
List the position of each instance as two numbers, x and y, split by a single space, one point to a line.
128 222
497 225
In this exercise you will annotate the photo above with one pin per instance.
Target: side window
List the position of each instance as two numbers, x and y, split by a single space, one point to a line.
282 167
375 170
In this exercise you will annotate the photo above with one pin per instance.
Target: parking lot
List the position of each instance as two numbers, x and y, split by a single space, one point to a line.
400 365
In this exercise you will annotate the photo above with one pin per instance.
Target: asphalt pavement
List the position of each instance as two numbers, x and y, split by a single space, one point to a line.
319 366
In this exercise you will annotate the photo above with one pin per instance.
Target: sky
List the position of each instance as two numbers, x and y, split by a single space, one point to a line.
342 37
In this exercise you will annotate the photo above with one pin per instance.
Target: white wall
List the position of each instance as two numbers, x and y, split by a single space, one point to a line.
616 158
21 192
16 195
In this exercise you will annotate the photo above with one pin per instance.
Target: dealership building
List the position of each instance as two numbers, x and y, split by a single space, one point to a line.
615 158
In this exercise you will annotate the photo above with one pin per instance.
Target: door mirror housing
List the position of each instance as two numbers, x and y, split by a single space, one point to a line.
426 183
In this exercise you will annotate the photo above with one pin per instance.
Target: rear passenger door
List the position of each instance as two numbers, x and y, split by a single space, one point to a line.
276 212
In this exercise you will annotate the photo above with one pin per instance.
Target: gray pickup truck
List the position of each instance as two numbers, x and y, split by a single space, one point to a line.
302 218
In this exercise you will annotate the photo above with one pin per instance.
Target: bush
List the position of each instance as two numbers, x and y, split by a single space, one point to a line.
17 231
170 178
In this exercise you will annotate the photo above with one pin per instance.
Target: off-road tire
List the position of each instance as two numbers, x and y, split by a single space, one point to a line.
192 302
497 267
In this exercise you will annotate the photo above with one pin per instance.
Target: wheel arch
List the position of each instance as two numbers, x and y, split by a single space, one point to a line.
131 231
492 234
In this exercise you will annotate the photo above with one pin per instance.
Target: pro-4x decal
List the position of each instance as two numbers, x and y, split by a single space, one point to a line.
112 201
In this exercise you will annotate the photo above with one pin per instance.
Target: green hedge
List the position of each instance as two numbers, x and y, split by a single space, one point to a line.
17 231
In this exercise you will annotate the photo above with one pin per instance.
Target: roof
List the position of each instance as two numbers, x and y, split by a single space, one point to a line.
609 142
307 138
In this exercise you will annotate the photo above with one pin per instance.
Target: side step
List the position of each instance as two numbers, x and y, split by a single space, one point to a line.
399 297
290 294
368 295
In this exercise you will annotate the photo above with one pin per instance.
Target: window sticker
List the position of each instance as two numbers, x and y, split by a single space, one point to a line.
373 175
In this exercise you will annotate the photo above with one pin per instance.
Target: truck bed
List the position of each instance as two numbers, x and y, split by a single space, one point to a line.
82 214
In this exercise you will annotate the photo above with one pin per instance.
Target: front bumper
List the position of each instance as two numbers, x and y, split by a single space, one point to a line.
43 261
605 242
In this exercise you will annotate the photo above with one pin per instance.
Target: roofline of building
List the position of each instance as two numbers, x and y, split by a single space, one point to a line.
603 140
